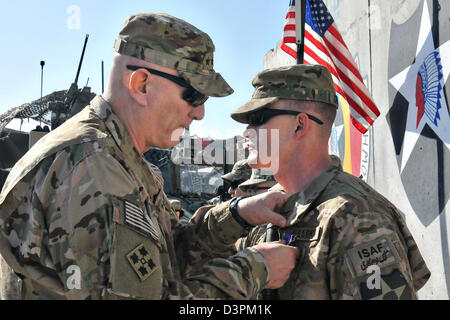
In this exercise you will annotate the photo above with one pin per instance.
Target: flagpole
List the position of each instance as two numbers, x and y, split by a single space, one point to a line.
301 21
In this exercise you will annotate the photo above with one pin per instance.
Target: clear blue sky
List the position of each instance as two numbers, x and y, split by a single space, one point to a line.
243 31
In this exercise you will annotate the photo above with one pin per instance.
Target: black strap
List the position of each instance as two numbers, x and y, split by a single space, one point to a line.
271 235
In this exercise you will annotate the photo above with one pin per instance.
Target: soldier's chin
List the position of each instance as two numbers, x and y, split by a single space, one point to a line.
256 161
176 136
252 159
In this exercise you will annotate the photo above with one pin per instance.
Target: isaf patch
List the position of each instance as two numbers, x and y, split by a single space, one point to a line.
380 252
141 262
135 217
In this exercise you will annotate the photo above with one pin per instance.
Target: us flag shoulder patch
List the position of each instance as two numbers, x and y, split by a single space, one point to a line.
136 218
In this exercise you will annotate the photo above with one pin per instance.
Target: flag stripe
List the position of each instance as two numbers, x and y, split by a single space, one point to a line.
289 40
369 106
289 50
339 51
322 52
290 15
289 27
358 125
289 33
335 32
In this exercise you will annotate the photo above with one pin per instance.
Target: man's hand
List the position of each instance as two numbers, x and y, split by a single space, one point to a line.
281 259
261 208
198 215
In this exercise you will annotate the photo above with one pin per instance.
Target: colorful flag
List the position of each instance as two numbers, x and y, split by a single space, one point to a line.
324 45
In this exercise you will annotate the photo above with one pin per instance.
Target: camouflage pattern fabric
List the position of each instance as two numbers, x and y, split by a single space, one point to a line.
343 229
172 42
84 216
10 283
297 82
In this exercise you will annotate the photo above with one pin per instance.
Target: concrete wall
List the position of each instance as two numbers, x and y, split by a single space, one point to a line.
406 161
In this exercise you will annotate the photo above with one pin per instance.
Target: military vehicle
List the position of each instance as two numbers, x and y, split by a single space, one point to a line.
60 105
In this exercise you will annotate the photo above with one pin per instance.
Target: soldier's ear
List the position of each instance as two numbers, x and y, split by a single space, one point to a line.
137 86
302 125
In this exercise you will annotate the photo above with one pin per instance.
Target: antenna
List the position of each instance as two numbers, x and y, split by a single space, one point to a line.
81 59
42 74
103 85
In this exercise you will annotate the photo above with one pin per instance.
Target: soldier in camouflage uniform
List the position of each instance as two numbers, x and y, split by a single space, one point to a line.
84 216
353 242
241 172
260 181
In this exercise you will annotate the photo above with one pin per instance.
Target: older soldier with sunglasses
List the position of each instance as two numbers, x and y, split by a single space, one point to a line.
353 242
83 216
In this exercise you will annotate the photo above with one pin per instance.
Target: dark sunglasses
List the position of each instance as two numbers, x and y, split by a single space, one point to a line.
260 117
247 189
236 184
190 95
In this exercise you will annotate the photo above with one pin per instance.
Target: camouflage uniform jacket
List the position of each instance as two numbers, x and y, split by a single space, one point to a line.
343 229
83 216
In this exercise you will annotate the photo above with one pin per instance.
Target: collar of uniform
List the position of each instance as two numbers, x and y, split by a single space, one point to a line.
300 202
115 127
123 140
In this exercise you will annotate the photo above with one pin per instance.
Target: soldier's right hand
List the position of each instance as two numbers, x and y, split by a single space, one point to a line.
281 259
263 208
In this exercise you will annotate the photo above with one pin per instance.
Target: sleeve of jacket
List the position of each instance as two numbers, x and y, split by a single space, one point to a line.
212 237
368 257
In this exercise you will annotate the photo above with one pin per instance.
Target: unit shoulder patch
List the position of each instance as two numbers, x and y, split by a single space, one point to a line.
141 262
392 286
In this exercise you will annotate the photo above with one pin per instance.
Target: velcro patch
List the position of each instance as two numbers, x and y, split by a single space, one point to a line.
135 217
141 262
392 286
380 252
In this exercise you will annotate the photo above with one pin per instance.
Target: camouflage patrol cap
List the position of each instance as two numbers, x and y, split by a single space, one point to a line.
241 171
175 204
258 176
298 82
171 42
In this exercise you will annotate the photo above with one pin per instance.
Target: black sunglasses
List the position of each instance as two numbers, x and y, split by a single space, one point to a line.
260 117
247 189
190 95
235 184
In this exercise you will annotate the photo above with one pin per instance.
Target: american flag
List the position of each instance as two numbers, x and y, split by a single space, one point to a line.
324 45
